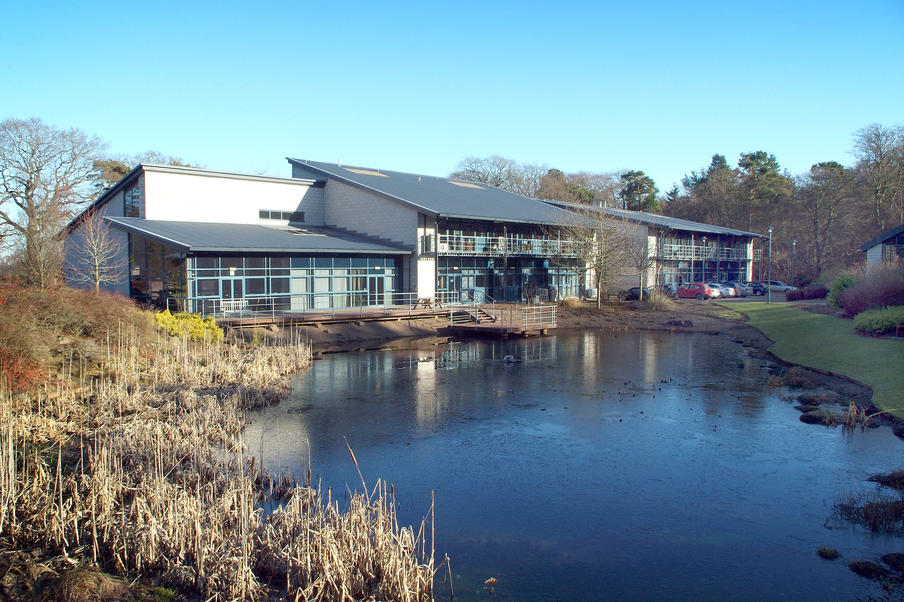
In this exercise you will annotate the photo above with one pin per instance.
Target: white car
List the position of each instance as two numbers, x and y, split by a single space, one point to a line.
724 292
779 286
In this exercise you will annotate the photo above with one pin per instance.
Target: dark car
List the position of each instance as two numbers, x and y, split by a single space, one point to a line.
756 288
667 290
633 294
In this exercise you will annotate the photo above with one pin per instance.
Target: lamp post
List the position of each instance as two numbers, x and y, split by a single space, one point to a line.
793 251
704 259
769 270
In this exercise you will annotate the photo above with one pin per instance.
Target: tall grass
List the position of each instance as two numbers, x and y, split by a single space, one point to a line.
141 470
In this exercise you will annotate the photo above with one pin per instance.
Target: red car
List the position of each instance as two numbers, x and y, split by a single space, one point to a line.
696 290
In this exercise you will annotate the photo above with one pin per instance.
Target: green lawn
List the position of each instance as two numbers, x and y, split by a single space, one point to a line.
830 344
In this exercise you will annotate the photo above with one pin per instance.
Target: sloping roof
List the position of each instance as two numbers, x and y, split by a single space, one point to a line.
442 197
883 237
660 221
199 237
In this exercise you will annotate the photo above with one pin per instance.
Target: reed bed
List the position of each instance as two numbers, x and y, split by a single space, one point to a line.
140 470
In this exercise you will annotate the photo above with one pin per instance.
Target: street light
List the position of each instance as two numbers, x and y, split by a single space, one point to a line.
769 270
704 258
793 250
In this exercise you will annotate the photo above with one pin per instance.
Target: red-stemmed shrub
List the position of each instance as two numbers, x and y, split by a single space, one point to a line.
882 287
814 291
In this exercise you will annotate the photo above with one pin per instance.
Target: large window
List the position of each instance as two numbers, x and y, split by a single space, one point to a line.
294 283
133 200
156 273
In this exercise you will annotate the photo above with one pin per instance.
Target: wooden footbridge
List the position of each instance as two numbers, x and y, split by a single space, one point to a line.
503 321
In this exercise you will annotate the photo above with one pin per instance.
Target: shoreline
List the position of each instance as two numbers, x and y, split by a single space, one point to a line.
684 317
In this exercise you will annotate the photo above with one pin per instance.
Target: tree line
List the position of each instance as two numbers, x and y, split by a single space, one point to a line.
819 219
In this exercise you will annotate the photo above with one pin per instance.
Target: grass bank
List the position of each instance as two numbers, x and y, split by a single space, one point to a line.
829 343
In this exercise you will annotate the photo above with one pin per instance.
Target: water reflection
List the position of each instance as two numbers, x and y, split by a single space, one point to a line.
629 466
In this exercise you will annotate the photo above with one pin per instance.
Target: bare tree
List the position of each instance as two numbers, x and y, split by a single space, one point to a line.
45 176
502 173
880 167
598 243
822 199
95 254
637 254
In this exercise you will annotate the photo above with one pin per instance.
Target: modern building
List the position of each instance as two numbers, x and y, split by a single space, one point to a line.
683 250
330 237
334 236
886 248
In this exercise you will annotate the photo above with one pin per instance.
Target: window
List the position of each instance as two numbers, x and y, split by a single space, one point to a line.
132 202
286 216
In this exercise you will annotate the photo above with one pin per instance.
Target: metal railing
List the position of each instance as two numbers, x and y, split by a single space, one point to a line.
319 305
498 246
518 317
699 252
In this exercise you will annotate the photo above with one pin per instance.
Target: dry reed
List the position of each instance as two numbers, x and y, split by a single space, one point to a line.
141 470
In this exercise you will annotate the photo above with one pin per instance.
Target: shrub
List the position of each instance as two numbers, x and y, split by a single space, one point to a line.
44 328
659 301
840 283
883 287
188 325
814 291
880 321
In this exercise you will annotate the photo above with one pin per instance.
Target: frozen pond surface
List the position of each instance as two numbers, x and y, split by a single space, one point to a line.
632 466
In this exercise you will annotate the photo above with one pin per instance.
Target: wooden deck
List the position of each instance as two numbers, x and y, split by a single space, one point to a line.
502 330
503 321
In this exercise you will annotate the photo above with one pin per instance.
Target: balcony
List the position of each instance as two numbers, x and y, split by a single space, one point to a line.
499 246
701 253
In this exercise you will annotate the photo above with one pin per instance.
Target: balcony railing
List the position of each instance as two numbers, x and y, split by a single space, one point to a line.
323 305
700 253
499 246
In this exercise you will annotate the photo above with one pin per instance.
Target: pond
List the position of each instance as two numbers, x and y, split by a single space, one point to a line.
630 466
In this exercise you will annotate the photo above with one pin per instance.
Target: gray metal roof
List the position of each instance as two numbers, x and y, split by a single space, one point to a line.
197 237
442 197
660 221
883 237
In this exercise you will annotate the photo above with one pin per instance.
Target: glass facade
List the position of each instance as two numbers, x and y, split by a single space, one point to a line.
506 279
483 261
699 258
292 283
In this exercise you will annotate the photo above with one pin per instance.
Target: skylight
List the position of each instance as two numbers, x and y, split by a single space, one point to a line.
365 172
466 185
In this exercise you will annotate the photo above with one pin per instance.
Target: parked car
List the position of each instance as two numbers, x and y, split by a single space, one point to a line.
633 294
756 288
697 290
730 289
740 287
667 290
723 291
779 286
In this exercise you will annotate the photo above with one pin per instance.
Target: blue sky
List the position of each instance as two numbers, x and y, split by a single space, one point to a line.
656 86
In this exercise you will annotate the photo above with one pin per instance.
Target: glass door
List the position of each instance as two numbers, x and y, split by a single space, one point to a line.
375 290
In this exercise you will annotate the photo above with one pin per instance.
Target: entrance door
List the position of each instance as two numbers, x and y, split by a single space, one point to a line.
231 293
454 285
375 290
